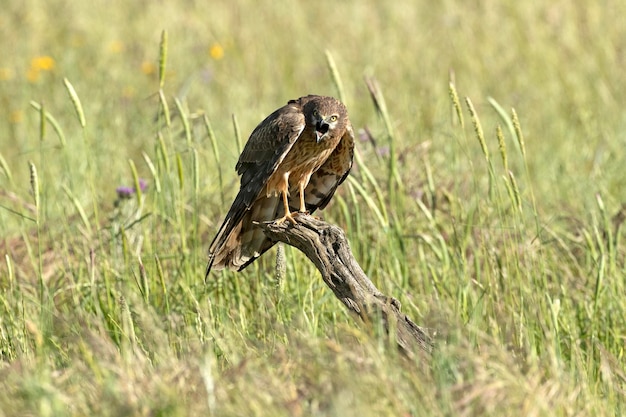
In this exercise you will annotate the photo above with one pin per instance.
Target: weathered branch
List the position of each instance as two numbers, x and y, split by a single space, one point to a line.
327 247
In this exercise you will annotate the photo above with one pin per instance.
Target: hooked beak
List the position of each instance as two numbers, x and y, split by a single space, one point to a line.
321 127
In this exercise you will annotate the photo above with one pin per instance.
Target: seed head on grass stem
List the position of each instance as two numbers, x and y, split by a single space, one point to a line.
162 59
478 129
518 132
34 187
502 147
76 102
456 103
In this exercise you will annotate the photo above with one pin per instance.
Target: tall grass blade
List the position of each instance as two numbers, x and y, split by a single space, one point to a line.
381 108
161 276
144 283
165 108
480 135
76 102
163 151
153 171
237 134
42 123
5 168
195 173
184 119
216 155
137 182
162 59
364 170
180 171
10 272
43 289
456 104
34 188
478 129
516 193
366 196
518 132
503 115
79 209
332 67
53 122
502 148
520 140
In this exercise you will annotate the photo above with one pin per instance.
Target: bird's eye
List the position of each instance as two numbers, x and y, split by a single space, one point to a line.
333 118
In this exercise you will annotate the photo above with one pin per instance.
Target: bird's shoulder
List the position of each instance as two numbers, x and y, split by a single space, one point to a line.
275 133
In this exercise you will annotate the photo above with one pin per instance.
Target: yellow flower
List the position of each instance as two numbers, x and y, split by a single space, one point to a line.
216 51
6 74
148 68
37 65
16 116
42 63
116 47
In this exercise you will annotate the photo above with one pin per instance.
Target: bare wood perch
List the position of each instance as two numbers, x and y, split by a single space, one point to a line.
327 247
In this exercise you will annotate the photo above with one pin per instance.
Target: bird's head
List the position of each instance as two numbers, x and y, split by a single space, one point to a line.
324 124
325 115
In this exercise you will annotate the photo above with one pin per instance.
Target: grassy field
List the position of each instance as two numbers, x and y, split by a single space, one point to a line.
488 196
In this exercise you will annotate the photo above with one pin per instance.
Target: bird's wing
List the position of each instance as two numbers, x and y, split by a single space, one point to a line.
270 141
267 146
333 172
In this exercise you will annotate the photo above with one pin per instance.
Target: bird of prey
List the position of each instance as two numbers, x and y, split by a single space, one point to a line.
293 162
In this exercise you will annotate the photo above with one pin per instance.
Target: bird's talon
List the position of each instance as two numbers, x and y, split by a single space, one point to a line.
288 216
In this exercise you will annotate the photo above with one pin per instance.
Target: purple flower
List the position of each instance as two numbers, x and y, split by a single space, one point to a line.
382 151
124 192
366 136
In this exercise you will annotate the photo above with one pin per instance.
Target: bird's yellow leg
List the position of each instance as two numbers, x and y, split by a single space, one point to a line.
284 192
287 215
302 203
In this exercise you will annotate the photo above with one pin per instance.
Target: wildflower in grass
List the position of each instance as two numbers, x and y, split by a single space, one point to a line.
148 68
124 192
16 116
43 63
115 47
382 151
39 64
366 136
216 51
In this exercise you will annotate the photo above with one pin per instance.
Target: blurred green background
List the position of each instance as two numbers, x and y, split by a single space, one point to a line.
561 65
517 268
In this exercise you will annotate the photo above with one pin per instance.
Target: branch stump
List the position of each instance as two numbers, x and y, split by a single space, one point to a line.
327 247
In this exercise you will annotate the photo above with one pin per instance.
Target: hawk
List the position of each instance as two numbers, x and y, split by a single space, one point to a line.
293 162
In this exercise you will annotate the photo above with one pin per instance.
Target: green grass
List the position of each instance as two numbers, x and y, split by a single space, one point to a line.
490 203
